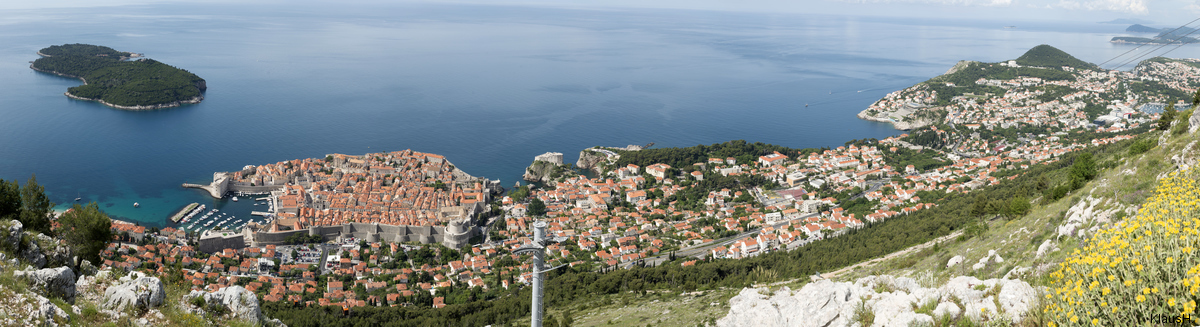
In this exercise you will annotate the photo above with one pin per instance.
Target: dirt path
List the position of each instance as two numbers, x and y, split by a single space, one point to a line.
871 262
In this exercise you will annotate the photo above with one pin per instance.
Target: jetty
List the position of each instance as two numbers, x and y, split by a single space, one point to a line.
186 210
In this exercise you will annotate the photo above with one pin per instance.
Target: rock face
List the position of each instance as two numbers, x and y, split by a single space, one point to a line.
12 236
58 282
1194 121
32 253
589 159
241 303
1087 212
890 299
539 171
135 290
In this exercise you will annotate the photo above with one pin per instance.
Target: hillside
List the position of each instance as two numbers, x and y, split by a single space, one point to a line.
1127 222
114 80
1044 81
38 290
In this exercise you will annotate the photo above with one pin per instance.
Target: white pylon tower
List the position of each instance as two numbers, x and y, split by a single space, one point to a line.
538 249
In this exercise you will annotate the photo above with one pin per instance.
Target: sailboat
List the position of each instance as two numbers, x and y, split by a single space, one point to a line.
77 197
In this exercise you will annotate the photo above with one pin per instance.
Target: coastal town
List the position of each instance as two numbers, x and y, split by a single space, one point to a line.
408 228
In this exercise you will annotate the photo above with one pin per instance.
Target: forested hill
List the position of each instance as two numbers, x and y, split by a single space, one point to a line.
115 81
1051 57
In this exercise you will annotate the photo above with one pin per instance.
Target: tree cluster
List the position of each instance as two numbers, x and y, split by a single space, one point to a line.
27 204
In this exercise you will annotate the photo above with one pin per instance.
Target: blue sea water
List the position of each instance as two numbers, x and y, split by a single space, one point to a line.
489 87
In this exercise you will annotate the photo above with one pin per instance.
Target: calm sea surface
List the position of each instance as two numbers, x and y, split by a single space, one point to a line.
488 87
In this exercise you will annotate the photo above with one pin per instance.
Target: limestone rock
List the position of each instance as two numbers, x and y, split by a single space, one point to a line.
539 171
947 309
242 303
1046 247
954 261
827 303
56 253
48 314
589 159
1017 296
1194 121
32 253
58 282
136 290
12 236
86 268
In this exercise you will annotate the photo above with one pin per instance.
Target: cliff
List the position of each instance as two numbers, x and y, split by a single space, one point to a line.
589 159
540 171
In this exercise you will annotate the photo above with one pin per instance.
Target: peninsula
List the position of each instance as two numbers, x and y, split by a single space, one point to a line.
119 79
1044 87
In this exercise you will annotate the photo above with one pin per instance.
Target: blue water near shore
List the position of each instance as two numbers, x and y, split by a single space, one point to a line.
488 87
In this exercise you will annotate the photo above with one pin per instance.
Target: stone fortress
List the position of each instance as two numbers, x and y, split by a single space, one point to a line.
303 191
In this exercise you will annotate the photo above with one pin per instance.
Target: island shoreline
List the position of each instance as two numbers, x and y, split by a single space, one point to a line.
194 100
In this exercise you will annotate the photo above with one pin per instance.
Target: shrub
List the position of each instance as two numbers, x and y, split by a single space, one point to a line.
1142 268
198 302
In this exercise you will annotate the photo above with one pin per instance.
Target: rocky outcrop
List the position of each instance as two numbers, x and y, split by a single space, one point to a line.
539 171
1085 215
135 290
238 302
12 235
890 299
193 100
590 159
1046 247
58 282
1194 121
908 122
32 253
36 249
954 261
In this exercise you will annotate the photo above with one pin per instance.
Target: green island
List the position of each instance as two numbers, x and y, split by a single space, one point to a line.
111 78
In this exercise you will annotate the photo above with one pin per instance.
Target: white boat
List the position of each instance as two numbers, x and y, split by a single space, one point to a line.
235 199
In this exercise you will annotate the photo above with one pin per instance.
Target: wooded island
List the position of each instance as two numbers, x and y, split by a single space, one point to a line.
110 77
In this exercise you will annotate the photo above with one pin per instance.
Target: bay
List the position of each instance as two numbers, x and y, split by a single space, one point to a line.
489 87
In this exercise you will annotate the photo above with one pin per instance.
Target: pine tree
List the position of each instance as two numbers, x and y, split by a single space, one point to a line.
1168 116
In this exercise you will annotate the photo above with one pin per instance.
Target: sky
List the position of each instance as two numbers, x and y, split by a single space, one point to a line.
1154 12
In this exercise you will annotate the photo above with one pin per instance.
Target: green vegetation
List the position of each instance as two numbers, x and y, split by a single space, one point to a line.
27 204
112 79
86 229
1051 57
683 158
1167 117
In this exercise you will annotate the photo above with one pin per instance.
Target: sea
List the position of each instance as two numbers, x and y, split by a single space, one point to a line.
487 86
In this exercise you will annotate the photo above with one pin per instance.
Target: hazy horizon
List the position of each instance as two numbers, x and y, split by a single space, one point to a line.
1157 13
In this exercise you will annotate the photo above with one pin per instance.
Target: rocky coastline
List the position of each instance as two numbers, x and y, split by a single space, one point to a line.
900 125
194 100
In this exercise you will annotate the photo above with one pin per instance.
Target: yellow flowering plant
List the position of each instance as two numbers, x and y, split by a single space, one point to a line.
1144 268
